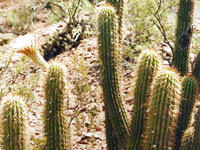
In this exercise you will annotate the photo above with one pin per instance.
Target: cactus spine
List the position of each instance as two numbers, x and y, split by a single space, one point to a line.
14 123
58 136
183 35
189 87
110 60
162 111
196 70
149 63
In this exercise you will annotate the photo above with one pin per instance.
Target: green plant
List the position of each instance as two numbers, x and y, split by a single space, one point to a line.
163 111
57 133
195 144
183 36
110 59
186 140
149 63
14 112
151 25
119 5
189 95
196 69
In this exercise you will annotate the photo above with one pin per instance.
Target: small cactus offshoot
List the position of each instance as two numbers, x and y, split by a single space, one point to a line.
163 111
189 95
14 112
56 130
149 62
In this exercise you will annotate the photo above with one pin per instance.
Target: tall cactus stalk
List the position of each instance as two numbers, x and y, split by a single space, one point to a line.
119 5
196 70
110 61
149 62
189 95
14 124
183 36
163 111
57 133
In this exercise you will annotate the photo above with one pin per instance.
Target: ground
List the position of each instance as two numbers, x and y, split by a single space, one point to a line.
85 112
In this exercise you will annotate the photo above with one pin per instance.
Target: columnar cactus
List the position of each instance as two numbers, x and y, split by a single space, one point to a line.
119 5
196 70
186 140
149 62
183 35
110 61
189 95
14 124
58 136
162 111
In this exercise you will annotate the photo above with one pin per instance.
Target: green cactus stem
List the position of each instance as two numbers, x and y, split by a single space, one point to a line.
189 95
57 133
162 111
111 139
110 59
196 138
196 70
186 140
183 36
14 112
149 62
119 5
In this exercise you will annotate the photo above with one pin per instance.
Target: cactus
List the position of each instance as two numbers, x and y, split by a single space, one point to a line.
118 4
58 136
196 70
111 139
148 63
110 61
195 145
162 111
183 36
14 113
189 95
186 140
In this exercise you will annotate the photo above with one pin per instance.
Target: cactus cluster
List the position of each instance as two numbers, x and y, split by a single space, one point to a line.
183 36
110 60
14 113
149 63
57 133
